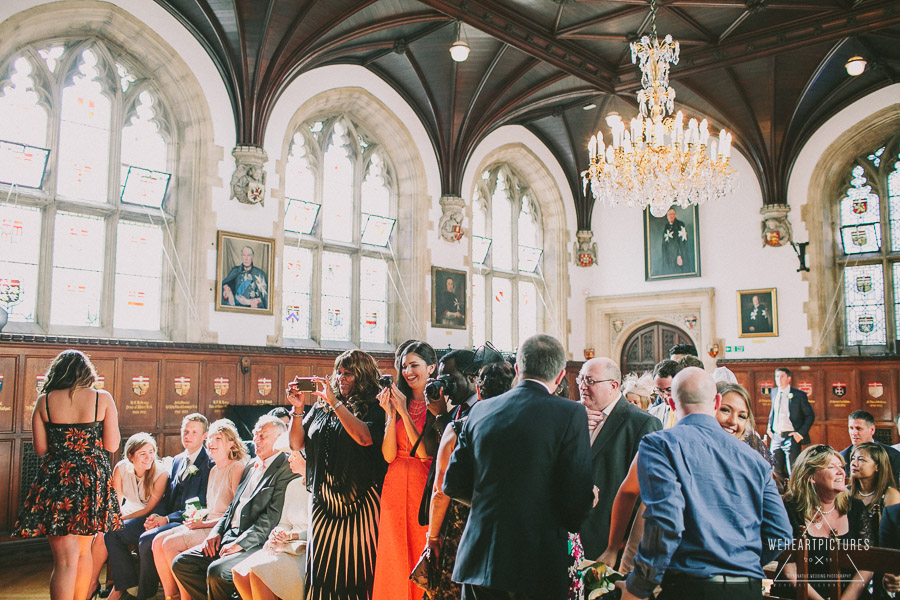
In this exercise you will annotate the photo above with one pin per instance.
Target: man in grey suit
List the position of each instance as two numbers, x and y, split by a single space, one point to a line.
617 427
205 571
523 463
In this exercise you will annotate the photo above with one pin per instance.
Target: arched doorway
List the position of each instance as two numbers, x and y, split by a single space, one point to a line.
649 345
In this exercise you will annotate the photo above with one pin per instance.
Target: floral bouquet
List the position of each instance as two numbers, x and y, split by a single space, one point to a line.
598 579
193 510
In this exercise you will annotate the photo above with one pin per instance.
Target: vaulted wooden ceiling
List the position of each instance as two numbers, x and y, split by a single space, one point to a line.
770 71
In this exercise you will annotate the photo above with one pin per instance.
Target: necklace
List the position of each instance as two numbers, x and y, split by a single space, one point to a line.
827 512
416 409
866 495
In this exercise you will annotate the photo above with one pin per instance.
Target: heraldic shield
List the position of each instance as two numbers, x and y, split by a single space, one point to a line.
264 386
140 385
182 385
839 388
221 385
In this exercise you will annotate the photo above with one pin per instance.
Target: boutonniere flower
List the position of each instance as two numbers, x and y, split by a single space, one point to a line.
192 470
790 395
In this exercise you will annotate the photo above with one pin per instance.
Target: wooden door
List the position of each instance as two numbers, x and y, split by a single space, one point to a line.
649 345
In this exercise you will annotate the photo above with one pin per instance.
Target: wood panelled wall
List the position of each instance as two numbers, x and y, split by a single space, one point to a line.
142 378
836 387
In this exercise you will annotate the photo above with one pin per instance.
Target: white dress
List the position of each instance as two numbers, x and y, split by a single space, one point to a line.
284 569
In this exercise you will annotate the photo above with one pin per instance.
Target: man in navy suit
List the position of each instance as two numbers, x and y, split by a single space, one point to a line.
889 537
861 427
523 462
790 419
190 474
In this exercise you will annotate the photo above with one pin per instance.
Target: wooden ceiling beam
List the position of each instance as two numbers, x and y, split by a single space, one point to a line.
508 27
778 40
606 18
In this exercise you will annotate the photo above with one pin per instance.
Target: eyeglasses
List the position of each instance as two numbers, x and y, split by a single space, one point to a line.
588 381
819 449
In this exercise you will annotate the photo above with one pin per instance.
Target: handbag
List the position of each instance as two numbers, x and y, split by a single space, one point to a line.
424 574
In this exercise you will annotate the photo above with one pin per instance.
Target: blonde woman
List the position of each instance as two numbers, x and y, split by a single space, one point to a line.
229 453
820 507
72 498
140 481
637 389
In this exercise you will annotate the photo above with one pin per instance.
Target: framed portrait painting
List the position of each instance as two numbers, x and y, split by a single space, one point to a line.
757 313
244 267
672 244
448 298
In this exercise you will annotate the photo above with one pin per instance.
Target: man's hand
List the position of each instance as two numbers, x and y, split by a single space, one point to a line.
227 294
154 521
797 437
211 547
229 549
596 496
679 261
892 583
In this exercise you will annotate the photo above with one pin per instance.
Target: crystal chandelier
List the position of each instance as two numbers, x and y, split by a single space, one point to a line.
657 162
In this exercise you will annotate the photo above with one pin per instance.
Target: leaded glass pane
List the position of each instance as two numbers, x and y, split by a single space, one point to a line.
373 300
860 204
501 314
501 226
78 255
861 238
894 205
84 135
337 220
22 119
529 228
337 271
896 267
142 144
478 310
864 301
51 56
376 197
300 181
479 216
298 268
20 250
139 249
528 310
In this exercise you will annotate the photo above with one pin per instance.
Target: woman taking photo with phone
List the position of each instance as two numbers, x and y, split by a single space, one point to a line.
344 472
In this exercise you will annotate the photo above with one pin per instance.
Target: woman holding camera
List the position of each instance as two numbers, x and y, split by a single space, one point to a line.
344 472
409 443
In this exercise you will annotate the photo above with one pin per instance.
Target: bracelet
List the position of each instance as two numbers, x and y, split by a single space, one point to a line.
337 404
433 538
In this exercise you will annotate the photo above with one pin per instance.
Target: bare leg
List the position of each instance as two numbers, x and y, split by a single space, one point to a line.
165 548
70 552
98 559
260 590
85 566
242 583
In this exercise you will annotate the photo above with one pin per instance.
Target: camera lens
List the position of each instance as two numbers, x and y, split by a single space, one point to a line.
386 380
433 389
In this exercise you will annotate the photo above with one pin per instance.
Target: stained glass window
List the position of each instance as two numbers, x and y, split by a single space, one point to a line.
22 119
864 297
501 234
528 310
84 135
139 248
860 216
298 268
78 256
479 330
501 314
20 252
142 144
339 204
893 185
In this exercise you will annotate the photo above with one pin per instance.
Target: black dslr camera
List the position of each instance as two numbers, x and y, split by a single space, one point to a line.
444 382
386 380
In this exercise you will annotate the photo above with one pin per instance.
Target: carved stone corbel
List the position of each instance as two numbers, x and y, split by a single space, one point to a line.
585 250
248 183
450 226
776 227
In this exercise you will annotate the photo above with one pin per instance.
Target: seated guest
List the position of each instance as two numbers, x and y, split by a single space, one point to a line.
704 537
889 537
735 415
205 570
282 413
227 451
872 482
448 517
140 479
190 474
820 507
638 389
861 427
278 569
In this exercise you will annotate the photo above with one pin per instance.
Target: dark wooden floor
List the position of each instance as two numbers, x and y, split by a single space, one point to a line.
25 580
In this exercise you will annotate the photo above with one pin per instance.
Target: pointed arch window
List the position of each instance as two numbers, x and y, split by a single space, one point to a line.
868 255
339 214
75 258
507 252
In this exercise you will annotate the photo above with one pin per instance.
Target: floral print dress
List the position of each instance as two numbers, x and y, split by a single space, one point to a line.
73 491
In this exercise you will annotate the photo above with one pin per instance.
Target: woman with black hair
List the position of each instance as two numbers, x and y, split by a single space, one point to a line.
409 444
344 473
72 497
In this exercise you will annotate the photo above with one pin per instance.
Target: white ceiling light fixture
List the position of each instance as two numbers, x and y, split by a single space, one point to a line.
459 50
855 66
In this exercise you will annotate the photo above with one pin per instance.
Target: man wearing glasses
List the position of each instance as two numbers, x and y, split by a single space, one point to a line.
616 428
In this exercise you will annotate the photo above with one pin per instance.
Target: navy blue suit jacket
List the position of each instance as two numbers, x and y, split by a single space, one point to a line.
800 410
889 534
193 486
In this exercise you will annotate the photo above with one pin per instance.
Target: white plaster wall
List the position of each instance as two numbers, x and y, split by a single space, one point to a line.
732 258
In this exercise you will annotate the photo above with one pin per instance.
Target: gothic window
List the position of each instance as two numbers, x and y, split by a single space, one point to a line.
869 247
75 256
507 251
339 207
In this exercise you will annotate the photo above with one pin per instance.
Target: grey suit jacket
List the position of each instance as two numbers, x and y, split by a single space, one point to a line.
611 456
263 510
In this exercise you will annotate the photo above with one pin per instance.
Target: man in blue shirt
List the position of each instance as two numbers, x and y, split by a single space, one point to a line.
712 513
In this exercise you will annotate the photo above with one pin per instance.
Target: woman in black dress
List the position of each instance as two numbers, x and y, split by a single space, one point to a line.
342 436
72 497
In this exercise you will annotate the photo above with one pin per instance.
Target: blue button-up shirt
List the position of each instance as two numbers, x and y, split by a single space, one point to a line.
711 506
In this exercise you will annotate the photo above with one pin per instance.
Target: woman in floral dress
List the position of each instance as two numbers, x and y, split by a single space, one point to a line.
72 498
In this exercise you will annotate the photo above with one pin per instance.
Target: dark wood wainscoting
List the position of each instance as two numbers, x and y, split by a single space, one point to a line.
154 384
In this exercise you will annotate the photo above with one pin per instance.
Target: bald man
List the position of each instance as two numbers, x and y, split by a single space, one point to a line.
712 513
616 427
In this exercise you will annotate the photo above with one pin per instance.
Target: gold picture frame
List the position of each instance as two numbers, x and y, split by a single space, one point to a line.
757 318
241 287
